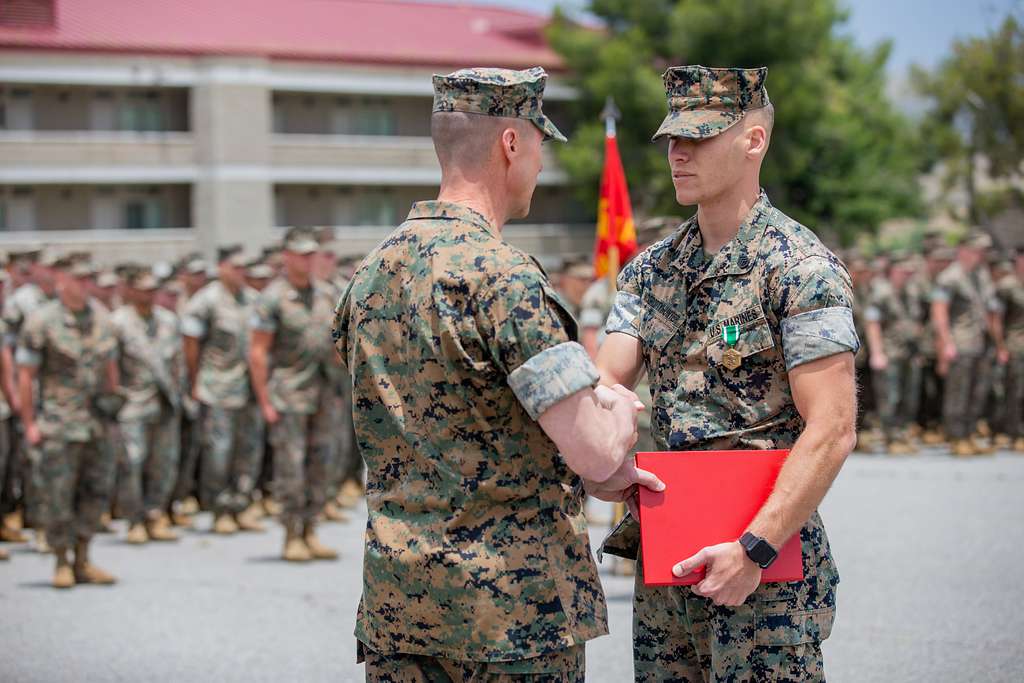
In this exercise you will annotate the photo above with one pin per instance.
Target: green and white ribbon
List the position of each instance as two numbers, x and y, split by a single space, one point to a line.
730 334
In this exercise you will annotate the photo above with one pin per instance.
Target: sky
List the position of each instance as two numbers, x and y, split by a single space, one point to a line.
922 30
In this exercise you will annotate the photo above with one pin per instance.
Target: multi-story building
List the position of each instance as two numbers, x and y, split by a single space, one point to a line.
146 128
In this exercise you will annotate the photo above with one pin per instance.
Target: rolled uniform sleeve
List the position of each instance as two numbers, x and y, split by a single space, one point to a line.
264 313
31 343
196 319
815 305
528 335
625 314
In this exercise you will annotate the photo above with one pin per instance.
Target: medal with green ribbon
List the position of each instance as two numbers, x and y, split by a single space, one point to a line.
731 358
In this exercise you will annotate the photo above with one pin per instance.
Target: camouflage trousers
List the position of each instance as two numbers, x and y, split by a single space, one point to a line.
303 470
5 453
350 463
564 666
966 391
681 637
151 452
929 404
232 454
74 480
1014 422
189 446
897 391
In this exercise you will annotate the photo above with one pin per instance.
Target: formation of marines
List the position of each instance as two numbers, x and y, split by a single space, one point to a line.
150 394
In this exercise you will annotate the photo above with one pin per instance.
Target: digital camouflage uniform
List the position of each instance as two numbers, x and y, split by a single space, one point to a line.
929 402
1010 294
75 472
6 417
297 386
898 386
232 440
791 299
477 562
971 297
151 367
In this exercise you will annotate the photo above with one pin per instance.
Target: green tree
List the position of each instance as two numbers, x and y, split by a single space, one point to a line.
977 111
842 158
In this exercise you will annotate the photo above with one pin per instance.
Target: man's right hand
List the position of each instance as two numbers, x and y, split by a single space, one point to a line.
270 413
949 352
32 434
879 361
623 485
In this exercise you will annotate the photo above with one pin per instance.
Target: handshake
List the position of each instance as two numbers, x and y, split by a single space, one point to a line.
621 407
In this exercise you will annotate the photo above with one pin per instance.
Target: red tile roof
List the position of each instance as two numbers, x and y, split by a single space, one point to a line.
382 31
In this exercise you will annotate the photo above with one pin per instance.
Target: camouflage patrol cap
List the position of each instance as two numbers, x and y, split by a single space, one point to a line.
259 271
703 102
300 241
977 240
143 280
69 265
232 254
496 92
107 279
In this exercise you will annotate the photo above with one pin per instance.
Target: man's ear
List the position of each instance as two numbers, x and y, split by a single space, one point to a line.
757 140
510 142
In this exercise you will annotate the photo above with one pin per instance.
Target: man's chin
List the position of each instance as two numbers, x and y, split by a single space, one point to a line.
687 198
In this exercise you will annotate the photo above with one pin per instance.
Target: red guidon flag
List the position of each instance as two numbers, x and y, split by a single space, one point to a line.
616 234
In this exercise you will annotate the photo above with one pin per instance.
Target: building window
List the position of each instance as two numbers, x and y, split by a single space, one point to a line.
374 208
142 112
143 214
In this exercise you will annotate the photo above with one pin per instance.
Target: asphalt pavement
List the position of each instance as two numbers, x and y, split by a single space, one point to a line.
930 549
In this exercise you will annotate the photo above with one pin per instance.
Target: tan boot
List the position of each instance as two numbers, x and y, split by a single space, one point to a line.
899 448
64 577
254 511
105 524
137 534
271 506
317 549
295 549
932 437
3 555
159 529
982 448
86 572
333 514
225 525
181 520
12 535
963 448
247 522
189 506
1018 444
350 494
1002 441
41 546
14 520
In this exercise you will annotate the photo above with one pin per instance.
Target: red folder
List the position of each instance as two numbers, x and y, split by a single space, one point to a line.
710 497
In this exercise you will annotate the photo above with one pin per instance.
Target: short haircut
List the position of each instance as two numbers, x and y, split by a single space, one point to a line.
467 140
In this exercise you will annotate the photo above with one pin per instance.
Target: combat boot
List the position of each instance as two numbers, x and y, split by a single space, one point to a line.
295 549
247 522
3 555
86 572
224 525
271 506
254 511
1002 442
963 448
63 577
180 519
932 437
41 545
333 514
12 535
981 448
14 520
1018 445
159 529
189 506
900 448
317 549
105 524
350 494
137 534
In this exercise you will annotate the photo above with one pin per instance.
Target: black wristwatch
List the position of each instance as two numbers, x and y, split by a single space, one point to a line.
758 550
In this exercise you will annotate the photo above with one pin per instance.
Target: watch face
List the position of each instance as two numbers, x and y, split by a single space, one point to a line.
762 553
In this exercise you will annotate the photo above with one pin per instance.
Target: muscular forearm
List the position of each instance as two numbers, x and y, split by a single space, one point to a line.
25 381
940 323
875 345
809 471
258 374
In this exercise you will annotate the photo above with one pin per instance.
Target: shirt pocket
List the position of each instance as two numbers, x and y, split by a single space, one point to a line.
755 337
659 322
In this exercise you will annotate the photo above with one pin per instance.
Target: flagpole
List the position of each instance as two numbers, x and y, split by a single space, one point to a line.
611 114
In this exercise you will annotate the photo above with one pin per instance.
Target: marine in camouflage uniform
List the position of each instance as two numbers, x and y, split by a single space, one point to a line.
290 347
862 277
1010 294
216 330
151 369
69 347
963 302
477 565
30 296
786 301
894 332
6 415
937 259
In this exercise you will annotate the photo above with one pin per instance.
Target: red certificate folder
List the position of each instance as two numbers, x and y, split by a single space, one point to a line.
710 497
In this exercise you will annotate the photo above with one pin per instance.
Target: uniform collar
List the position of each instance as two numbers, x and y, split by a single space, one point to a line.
736 256
451 211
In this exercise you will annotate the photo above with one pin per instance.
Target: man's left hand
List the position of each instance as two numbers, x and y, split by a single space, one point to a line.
730 575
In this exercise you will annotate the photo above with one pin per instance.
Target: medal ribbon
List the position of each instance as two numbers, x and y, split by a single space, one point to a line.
730 334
